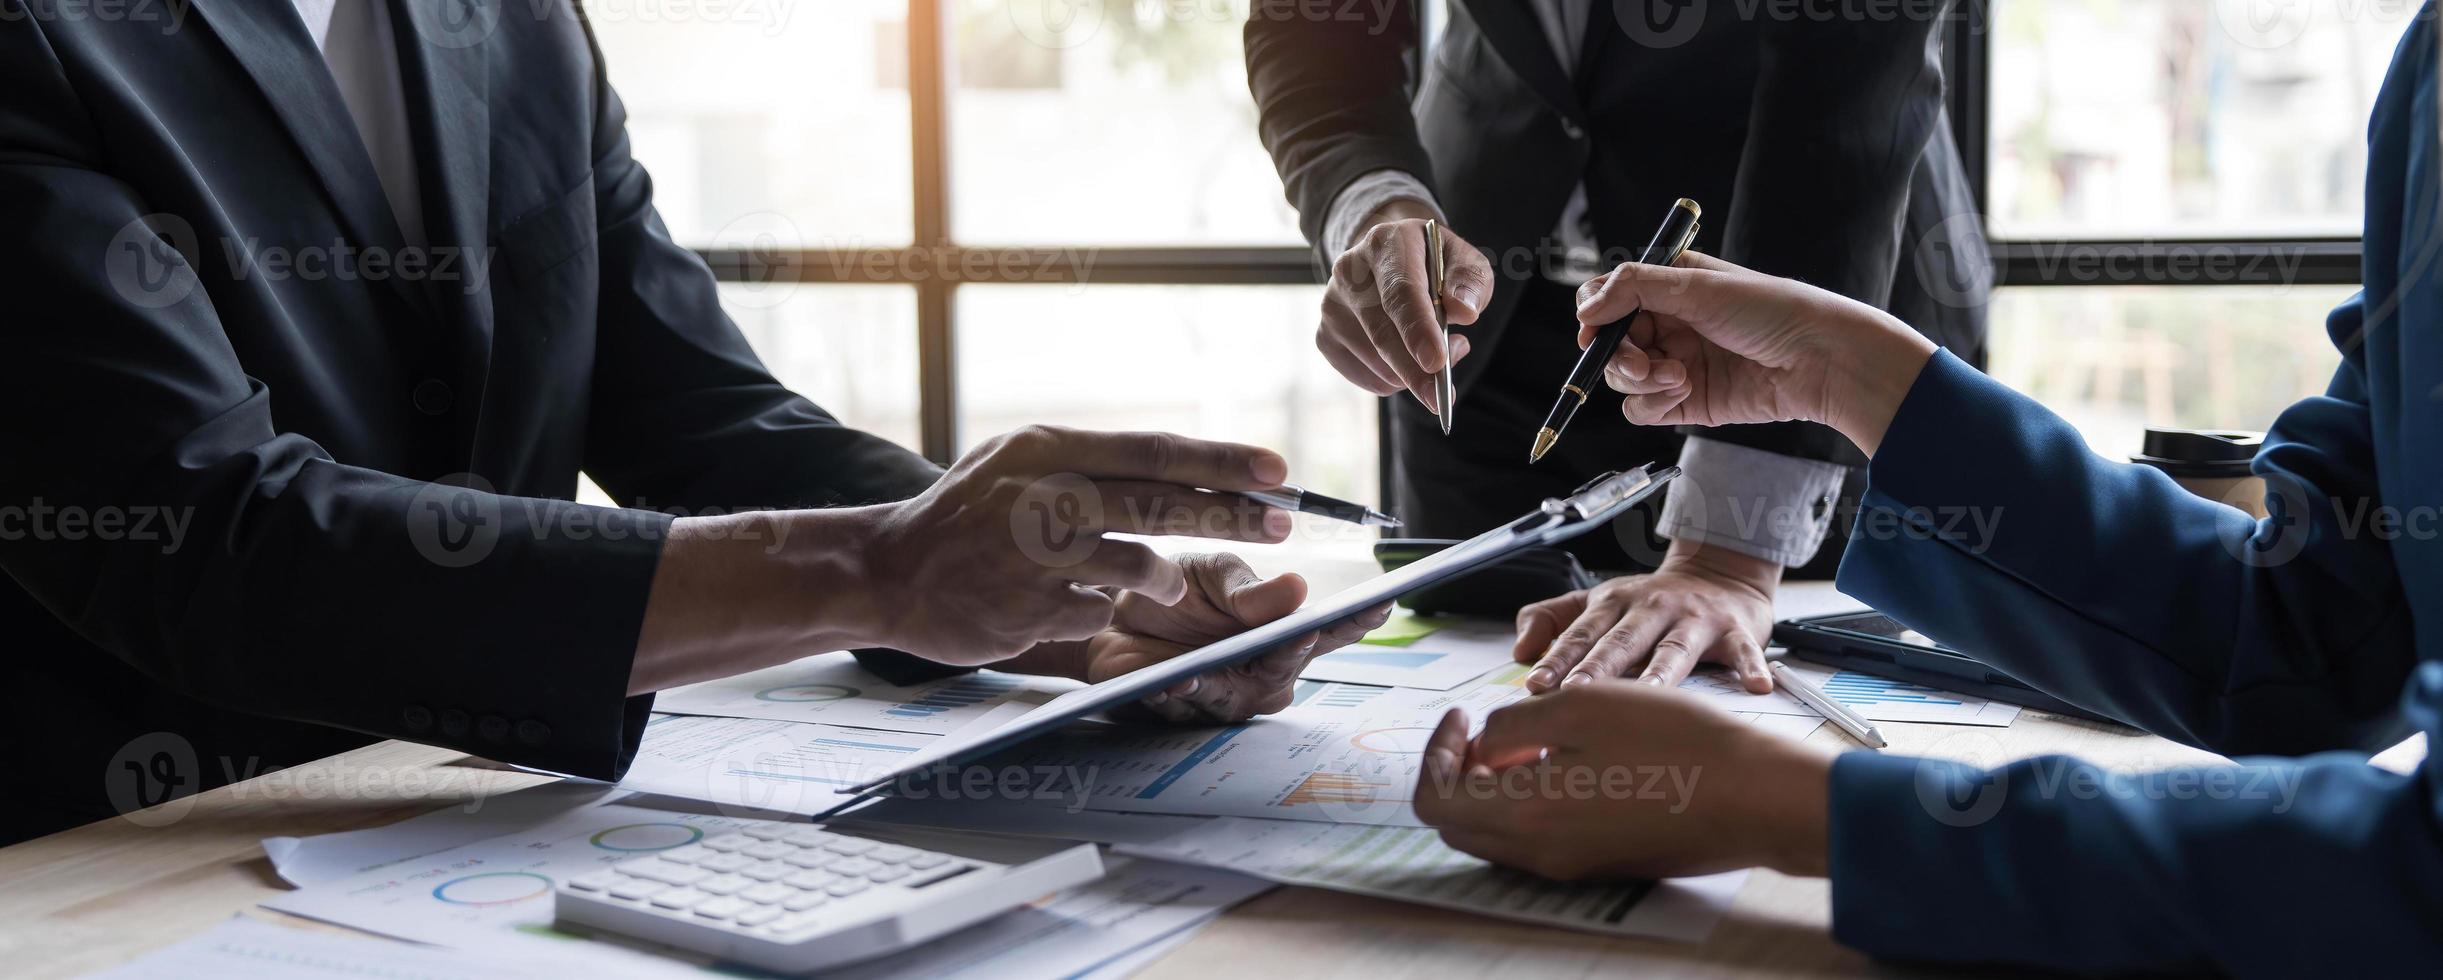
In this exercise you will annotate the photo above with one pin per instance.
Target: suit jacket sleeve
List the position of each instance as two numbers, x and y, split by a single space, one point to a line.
2107 585
304 588
1842 112
1331 96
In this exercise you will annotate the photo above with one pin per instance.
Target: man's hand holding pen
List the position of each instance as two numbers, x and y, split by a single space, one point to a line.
1379 329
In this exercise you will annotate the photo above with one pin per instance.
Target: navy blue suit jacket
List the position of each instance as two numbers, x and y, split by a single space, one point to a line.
2316 634
210 314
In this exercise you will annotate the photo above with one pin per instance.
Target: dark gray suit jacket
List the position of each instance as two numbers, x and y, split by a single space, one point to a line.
211 316
1820 148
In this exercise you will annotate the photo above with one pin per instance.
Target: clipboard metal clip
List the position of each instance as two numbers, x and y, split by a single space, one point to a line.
1599 497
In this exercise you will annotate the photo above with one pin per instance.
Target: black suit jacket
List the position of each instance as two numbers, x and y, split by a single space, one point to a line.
1820 148
180 342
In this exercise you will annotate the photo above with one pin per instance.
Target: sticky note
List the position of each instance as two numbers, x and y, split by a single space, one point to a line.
1402 629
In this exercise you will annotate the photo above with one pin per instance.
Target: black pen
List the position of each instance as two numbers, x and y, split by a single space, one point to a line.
1305 501
1678 230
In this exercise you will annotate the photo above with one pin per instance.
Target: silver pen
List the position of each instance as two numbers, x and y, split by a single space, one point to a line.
1833 711
1446 391
1296 498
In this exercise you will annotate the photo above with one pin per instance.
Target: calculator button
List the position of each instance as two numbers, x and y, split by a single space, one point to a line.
844 888
810 879
679 898
811 859
758 915
595 882
636 889
804 900
689 854
769 849
891 853
809 837
767 893
722 908
923 861
730 842
724 863
724 885
849 845
853 866
766 831
886 874
768 871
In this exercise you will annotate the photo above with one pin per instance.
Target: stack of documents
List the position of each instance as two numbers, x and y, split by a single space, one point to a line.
1317 795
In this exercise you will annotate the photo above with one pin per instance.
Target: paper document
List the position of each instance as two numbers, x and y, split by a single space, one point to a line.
1874 697
1453 653
251 949
780 766
1413 865
1138 903
833 689
303 861
1341 753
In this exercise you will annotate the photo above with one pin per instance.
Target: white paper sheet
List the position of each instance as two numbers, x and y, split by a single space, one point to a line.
753 763
1450 656
251 949
1413 865
304 861
1138 903
832 689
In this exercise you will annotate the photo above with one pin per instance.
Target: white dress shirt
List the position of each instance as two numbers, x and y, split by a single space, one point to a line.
362 50
1751 501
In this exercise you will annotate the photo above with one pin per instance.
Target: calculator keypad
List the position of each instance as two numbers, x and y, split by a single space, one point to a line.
772 880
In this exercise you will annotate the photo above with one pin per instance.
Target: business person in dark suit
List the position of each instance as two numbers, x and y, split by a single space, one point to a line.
2315 633
316 310
1551 136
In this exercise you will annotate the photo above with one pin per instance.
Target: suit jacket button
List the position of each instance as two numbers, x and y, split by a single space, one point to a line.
1572 130
434 397
417 718
454 723
493 728
533 732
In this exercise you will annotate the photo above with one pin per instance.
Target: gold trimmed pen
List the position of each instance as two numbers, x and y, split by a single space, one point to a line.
1678 230
1437 271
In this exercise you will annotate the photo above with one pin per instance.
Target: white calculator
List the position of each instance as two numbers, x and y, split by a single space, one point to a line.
796 897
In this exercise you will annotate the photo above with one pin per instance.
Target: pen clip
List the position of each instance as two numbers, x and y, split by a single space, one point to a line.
1603 493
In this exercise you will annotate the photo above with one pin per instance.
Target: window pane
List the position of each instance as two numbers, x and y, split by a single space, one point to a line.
1128 124
852 349
1218 362
2195 118
2116 359
767 123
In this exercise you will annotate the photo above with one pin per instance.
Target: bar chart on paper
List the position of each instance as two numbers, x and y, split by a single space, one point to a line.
1877 698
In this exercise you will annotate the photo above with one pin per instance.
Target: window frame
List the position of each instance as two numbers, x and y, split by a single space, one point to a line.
942 264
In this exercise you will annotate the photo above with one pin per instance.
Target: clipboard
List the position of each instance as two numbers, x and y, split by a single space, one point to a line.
1559 519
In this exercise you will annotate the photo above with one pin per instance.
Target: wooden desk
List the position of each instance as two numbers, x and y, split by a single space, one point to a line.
107 892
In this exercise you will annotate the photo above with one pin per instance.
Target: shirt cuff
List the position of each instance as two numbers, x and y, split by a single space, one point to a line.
1369 192
1757 503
